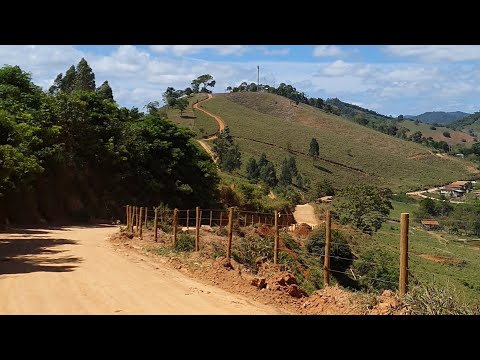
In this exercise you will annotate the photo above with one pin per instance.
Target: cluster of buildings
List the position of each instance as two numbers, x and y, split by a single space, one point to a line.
457 189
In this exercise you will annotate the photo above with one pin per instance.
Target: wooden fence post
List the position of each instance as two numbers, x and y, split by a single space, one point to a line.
221 212
155 220
197 229
134 217
188 220
230 233
175 219
211 217
328 238
252 219
275 245
140 216
126 210
130 217
146 218
403 279
245 220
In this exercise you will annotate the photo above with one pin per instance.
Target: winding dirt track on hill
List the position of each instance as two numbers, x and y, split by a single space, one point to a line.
221 127
73 270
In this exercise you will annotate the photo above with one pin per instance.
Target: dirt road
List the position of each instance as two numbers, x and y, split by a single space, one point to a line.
74 270
221 127
306 214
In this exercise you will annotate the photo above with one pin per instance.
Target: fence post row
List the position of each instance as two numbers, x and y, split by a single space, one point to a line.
230 233
155 220
328 238
275 245
403 279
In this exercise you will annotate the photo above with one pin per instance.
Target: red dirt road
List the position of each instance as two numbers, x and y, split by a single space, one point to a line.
73 270
221 127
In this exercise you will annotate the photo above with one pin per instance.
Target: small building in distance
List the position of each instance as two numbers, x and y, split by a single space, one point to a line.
326 199
456 189
430 224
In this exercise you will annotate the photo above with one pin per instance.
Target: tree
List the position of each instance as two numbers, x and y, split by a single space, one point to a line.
253 172
228 153
300 182
188 91
269 175
323 188
285 174
314 150
105 91
181 104
400 118
206 80
263 159
57 85
292 166
68 81
364 206
446 134
252 87
417 137
85 78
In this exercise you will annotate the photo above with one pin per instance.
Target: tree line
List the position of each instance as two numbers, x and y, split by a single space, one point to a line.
71 153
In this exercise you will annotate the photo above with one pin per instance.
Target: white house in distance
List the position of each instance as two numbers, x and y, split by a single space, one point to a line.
456 189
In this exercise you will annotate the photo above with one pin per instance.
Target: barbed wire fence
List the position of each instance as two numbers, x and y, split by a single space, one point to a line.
405 243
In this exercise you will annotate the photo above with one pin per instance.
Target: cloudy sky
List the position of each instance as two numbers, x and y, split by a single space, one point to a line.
392 80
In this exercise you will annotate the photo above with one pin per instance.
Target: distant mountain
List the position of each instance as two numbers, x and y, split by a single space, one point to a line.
439 117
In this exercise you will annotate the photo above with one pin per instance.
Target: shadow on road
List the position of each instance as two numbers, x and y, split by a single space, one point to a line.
19 256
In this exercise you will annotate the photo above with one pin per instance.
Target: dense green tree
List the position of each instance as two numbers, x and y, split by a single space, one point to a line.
314 150
253 171
285 178
105 91
269 175
228 153
364 206
323 188
263 160
292 166
69 80
206 80
85 78
181 104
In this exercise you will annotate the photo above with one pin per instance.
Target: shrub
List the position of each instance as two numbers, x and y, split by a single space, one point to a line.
446 134
288 261
377 270
433 127
432 299
248 249
403 198
185 242
339 248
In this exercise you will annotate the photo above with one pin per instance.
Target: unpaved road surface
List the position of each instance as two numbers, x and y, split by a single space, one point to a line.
306 214
221 127
73 270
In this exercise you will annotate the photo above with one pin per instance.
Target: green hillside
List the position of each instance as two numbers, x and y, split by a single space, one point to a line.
438 117
349 152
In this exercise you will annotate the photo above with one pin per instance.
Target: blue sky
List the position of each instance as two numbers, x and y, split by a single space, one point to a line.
390 79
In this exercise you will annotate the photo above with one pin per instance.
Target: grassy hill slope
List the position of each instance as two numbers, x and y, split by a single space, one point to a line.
350 153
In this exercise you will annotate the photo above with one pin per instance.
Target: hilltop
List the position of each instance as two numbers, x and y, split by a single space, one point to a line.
349 152
438 117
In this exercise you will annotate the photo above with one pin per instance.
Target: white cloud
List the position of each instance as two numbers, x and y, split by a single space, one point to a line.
436 52
138 76
276 52
182 50
327 50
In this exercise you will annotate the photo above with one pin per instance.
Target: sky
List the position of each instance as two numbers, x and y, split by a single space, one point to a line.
389 79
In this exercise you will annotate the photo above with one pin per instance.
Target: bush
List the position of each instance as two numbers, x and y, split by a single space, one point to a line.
339 248
377 270
185 242
403 198
288 261
433 128
431 299
248 249
446 134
